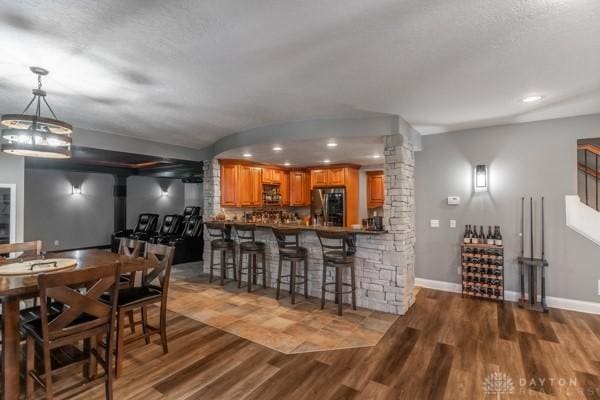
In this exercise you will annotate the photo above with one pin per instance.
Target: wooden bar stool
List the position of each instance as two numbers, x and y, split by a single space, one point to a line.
290 250
221 242
339 255
252 248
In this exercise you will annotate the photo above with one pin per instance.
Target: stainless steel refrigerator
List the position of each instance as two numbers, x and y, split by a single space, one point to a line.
328 206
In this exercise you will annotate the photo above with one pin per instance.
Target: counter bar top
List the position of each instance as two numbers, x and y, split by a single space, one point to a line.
309 228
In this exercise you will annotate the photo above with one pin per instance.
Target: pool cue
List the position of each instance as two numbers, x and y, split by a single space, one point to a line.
543 267
532 279
521 264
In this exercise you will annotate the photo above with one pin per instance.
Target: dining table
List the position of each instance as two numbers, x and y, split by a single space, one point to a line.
15 288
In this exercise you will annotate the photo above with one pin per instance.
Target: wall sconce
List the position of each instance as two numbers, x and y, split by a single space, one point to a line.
76 189
481 178
164 193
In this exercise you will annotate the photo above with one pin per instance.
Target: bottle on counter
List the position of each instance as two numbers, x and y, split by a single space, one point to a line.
498 237
490 236
474 235
467 236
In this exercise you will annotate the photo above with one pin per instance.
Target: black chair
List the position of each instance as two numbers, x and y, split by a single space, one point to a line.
338 253
190 212
169 228
250 247
221 242
146 225
189 246
290 250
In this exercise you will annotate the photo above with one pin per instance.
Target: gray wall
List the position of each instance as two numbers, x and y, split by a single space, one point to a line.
12 170
531 159
193 194
54 213
144 196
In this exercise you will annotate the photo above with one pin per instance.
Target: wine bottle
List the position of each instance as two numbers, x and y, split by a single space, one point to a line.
481 235
490 238
474 235
466 237
498 239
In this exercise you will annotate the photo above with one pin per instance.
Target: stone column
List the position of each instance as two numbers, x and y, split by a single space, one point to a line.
399 215
212 200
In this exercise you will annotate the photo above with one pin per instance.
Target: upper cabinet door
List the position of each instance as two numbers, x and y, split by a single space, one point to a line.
336 176
229 185
319 177
246 185
297 188
375 189
267 175
284 188
276 176
256 186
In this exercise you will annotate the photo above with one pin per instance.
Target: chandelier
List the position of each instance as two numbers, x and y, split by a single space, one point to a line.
33 135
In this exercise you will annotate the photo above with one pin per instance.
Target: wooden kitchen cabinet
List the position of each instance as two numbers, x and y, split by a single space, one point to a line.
229 185
271 176
250 183
336 176
328 177
319 177
299 188
375 189
284 188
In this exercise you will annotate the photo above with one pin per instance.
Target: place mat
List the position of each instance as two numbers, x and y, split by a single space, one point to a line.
34 267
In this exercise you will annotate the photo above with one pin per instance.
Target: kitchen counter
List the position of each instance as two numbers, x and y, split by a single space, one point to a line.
311 228
379 275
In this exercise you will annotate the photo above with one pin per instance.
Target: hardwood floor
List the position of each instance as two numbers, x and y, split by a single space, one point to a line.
444 348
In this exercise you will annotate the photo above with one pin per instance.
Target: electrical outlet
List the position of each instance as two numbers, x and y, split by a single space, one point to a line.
452 223
434 223
56 243
459 270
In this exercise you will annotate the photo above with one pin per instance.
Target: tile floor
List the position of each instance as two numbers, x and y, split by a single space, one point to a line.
258 317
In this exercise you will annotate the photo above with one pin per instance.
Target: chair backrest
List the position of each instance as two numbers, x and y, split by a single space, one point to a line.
245 232
217 230
286 237
333 241
170 224
33 248
191 211
193 227
130 247
161 257
146 223
81 312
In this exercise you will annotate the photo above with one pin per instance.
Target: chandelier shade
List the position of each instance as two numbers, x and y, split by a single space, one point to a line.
33 135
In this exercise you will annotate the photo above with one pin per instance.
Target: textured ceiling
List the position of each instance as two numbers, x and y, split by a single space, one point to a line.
304 153
190 72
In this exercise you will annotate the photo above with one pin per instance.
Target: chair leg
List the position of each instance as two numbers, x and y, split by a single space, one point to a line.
250 269
293 281
323 286
212 260
145 324
254 277
234 267
120 344
338 289
305 278
131 321
223 266
264 268
110 374
163 327
353 278
240 268
29 366
48 374
278 278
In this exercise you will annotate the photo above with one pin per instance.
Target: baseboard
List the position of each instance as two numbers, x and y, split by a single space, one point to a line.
589 307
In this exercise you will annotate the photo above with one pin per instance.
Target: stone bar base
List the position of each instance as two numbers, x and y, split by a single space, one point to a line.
380 283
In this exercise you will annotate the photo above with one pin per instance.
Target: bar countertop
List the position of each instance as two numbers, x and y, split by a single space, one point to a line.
310 227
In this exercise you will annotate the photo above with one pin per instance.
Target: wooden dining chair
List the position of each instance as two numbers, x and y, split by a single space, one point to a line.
84 317
153 289
129 248
33 248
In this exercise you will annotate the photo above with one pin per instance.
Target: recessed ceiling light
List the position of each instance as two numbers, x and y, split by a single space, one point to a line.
287 164
376 155
247 155
331 144
530 99
277 148
327 160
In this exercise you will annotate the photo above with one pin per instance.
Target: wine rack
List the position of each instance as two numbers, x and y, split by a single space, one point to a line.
483 271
